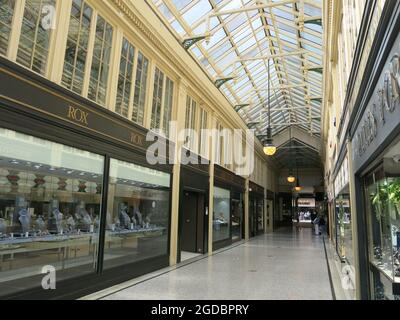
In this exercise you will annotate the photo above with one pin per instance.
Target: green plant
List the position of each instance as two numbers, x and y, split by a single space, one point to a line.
380 200
394 194
394 191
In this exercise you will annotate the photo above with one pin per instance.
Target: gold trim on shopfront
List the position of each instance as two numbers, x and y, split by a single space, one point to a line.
69 100
130 141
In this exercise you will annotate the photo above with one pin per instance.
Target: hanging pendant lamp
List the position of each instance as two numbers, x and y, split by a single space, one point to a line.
269 147
298 188
291 178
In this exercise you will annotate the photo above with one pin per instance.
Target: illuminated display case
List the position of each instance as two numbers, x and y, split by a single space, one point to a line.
382 195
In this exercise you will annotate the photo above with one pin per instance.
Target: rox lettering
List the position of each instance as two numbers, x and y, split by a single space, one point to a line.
389 100
78 115
137 139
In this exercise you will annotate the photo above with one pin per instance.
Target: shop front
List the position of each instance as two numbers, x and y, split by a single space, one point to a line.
343 222
306 211
270 209
77 196
256 209
228 215
193 208
376 165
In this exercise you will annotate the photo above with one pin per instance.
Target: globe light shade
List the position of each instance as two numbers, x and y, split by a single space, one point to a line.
291 179
297 188
269 150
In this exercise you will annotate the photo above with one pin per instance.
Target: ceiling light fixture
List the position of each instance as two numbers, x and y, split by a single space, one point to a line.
297 187
269 147
291 178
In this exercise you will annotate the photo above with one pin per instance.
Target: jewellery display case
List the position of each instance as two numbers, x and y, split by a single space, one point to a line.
50 197
383 216
137 213
222 214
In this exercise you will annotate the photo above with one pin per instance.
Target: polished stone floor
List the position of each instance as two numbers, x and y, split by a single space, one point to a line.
286 265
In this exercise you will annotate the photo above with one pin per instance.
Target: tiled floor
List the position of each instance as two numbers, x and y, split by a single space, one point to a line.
188 255
280 266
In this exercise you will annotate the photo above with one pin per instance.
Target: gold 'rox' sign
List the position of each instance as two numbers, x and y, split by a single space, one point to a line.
78 115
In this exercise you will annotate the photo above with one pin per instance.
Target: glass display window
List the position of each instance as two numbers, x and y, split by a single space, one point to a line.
383 200
260 216
137 214
344 233
50 201
306 210
221 215
237 217
382 195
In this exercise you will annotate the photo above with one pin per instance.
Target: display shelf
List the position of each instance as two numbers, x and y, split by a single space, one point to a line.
386 272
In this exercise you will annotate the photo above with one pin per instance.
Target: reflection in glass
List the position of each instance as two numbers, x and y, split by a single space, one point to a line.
34 42
139 98
125 78
343 228
77 46
222 215
100 61
383 217
137 214
6 14
260 216
50 198
237 218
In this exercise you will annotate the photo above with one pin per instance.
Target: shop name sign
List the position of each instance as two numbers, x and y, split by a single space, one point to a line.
306 203
78 115
376 116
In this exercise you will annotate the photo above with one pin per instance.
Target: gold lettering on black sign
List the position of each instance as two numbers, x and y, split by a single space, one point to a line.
78 115
136 139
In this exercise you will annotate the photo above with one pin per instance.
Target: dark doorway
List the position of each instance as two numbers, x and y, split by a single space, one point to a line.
193 222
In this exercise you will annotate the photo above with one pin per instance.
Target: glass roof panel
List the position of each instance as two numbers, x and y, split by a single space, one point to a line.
243 36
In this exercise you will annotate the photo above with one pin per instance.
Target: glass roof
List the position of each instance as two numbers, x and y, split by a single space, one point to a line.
239 38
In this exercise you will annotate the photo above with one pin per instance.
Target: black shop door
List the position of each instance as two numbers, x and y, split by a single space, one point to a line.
193 223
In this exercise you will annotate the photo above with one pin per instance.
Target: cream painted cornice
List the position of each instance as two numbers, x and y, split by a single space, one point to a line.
145 21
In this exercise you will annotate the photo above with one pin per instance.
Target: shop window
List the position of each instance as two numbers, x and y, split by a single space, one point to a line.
237 217
203 142
101 61
221 145
344 240
77 43
34 41
221 215
157 99
168 104
383 209
190 122
50 198
6 14
139 99
382 197
125 78
162 102
137 214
